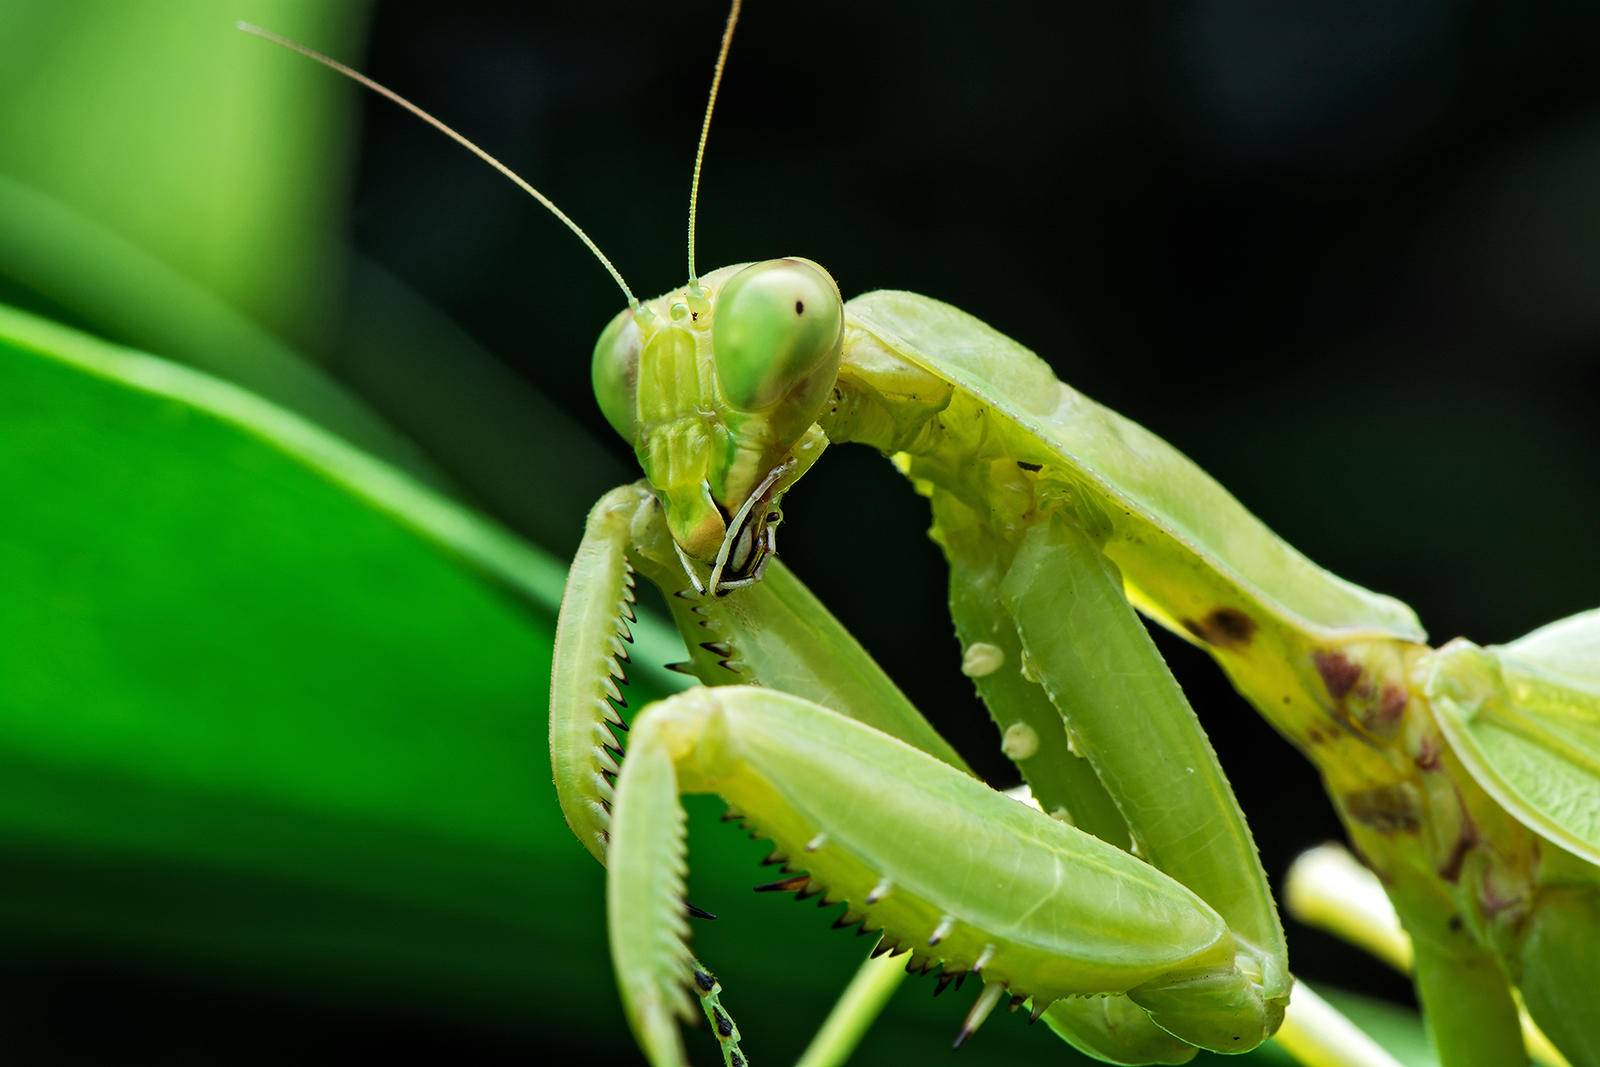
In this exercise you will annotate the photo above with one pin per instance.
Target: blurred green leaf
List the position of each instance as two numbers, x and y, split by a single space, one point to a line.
1399 1031
202 146
81 270
186 212
190 212
267 700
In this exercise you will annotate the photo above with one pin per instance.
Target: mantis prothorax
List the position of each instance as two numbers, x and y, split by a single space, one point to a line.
1128 907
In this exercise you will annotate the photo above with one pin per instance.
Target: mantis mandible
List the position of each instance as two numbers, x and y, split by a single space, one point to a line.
1126 906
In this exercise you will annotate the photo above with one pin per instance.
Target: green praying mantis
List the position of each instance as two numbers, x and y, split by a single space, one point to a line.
1125 905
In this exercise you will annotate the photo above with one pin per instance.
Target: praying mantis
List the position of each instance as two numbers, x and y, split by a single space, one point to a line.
1126 905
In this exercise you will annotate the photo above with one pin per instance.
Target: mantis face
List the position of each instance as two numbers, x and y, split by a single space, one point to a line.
718 386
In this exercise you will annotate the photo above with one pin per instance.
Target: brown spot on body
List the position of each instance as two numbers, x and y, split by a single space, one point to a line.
1224 627
1385 808
1391 704
1025 465
1339 673
1450 869
1427 757
1491 899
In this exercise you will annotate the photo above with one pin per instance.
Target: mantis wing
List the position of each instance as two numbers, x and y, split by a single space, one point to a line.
1525 720
1185 546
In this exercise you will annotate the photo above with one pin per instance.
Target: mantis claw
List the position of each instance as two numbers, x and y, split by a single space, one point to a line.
1105 922
587 672
747 568
979 1012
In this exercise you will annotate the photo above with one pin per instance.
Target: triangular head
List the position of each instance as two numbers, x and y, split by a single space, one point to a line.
718 385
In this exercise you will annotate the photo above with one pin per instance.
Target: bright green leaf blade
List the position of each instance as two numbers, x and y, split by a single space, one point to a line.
83 270
264 695
48 427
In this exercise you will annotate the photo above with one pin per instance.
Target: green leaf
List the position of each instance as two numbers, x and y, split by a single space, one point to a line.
1398 1030
264 695
202 146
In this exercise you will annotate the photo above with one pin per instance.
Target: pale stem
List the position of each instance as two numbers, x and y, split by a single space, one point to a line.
1330 889
1317 1034
858 1006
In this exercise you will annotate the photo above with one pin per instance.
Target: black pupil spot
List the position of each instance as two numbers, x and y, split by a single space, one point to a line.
799 307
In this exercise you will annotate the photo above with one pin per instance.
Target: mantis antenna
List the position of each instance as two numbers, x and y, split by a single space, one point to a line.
705 126
361 79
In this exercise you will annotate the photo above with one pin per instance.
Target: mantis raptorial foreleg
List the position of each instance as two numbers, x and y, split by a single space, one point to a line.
773 633
587 672
946 885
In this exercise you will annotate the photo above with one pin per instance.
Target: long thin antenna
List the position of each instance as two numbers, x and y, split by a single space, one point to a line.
705 127
517 180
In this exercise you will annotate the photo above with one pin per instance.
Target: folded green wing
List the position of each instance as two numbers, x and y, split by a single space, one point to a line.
1525 719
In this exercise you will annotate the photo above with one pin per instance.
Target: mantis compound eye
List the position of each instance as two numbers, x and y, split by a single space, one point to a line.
777 332
615 372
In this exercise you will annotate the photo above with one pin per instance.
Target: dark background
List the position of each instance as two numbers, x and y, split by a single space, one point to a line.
1346 255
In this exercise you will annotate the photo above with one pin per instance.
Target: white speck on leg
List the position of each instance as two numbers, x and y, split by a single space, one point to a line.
982 659
1019 742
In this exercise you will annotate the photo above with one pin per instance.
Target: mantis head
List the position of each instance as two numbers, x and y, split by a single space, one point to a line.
718 386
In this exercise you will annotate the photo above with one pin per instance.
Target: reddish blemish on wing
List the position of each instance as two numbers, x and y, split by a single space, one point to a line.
1450 869
1339 673
1492 899
1391 704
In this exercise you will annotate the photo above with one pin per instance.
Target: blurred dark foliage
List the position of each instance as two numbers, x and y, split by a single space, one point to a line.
1346 255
